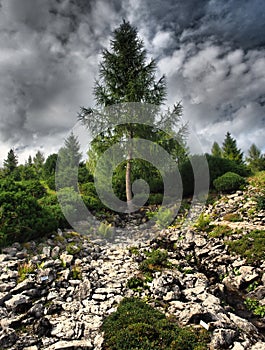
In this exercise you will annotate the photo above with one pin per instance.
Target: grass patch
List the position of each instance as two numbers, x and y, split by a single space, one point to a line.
232 217
136 325
250 246
203 223
221 231
24 269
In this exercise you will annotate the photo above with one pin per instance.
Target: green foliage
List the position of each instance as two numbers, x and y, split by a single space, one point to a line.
250 246
135 283
50 165
50 181
155 260
164 217
68 160
93 203
229 182
10 164
106 230
84 175
203 222
34 188
221 231
72 204
24 269
220 166
73 248
216 150
251 287
254 306
134 250
125 74
136 325
88 189
76 272
50 203
255 160
230 150
21 216
126 77
155 198
38 162
260 202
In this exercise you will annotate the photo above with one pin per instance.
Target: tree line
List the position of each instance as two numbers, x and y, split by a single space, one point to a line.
29 204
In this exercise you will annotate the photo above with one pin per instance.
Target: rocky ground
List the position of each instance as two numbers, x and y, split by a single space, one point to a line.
55 294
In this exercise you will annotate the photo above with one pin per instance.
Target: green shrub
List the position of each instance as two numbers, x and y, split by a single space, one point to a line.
136 325
135 283
164 217
21 216
250 246
93 203
34 188
72 204
220 166
229 182
260 202
88 189
155 198
51 205
155 261
50 181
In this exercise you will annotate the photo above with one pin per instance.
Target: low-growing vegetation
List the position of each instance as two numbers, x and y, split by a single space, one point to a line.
232 217
137 325
24 270
156 260
220 231
251 246
254 306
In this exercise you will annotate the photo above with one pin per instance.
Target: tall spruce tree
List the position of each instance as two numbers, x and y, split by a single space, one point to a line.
230 150
216 150
255 160
69 157
126 76
10 164
38 162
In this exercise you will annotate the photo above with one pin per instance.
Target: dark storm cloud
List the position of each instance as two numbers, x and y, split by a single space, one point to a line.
48 58
241 22
214 60
211 51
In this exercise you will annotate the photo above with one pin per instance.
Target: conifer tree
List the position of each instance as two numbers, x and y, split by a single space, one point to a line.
125 76
38 161
10 164
255 159
69 157
216 150
230 150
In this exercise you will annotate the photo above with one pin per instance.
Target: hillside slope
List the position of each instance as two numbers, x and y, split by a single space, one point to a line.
56 294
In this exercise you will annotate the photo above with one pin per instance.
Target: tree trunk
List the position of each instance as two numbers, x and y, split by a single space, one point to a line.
128 177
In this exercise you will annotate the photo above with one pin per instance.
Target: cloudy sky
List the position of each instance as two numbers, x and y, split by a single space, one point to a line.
212 53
